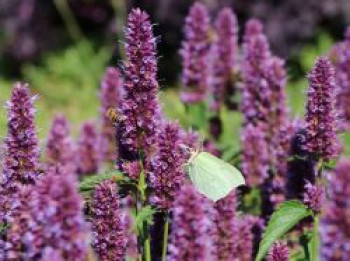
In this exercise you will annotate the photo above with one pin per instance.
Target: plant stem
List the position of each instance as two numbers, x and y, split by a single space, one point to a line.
145 232
165 237
315 240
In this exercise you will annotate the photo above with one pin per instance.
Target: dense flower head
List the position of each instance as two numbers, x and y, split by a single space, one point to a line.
340 57
108 223
60 147
254 155
110 93
49 217
139 110
195 54
335 219
313 196
21 159
320 121
279 252
224 52
188 239
224 240
88 153
256 92
167 173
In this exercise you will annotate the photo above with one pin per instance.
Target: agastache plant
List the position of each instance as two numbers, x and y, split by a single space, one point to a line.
189 238
110 94
50 217
224 238
139 110
279 252
320 118
88 153
224 52
195 53
21 161
140 116
108 223
335 219
340 57
60 150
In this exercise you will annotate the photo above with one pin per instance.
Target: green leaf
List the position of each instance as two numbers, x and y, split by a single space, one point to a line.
282 220
145 214
89 183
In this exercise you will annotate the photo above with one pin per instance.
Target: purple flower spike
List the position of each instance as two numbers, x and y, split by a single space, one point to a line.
88 152
50 216
108 222
255 156
313 196
225 55
340 57
195 55
140 111
279 252
110 94
188 240
224 221
21 160
335 220
256 92
167 174
59 149
320 121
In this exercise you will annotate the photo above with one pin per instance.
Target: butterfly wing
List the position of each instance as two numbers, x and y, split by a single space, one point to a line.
213 177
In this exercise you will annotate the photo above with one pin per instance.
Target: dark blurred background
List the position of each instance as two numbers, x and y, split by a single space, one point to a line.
31 28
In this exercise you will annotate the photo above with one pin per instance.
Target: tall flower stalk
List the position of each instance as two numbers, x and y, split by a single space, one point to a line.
88 153
188 240
195 53
224 52
138 126
60 148
21 161
110 94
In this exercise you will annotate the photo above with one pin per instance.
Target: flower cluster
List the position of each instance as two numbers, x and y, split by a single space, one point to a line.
335 220
88 152
167 174
60 148
340 57
254 155
110 94
255 88
279 252
188 240
224 52
195 54
139 111
313 196
50 218
108 224
320 121
21 161
224 238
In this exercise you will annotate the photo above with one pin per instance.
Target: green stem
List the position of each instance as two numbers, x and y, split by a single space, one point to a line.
315 240
165 237
145 232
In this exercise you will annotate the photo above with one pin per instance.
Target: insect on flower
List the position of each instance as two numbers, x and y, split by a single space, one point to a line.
112 115
212 176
